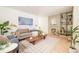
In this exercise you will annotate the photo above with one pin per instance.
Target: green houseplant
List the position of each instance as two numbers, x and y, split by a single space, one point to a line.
4 27
74 36
3 44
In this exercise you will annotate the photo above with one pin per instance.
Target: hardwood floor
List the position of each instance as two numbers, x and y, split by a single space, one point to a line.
62 46
52 44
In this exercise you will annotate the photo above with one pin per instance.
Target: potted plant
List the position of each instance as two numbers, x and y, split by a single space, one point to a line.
4 27
3 44
73 39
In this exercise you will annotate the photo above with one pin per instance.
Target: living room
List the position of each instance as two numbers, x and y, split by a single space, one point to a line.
35 23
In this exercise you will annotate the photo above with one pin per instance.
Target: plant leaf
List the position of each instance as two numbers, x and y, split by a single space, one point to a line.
75 29
75 37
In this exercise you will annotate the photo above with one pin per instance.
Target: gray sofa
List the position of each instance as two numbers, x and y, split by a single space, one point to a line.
23 33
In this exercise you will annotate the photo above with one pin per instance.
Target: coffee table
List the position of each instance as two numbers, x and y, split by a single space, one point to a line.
34 39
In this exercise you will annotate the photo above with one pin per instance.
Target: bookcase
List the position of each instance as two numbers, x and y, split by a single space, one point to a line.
66 22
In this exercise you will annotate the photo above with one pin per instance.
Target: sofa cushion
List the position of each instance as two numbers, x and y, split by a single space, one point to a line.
13 38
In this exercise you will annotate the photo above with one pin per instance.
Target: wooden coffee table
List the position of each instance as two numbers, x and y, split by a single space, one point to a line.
33 39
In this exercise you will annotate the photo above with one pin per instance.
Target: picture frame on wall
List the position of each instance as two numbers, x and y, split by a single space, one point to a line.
25 21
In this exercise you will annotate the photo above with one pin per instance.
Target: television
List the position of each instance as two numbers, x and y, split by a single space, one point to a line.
25 21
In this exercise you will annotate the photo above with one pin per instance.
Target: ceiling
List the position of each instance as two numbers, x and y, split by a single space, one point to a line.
43 10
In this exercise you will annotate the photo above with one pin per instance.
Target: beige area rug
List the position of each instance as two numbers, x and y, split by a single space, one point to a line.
49 45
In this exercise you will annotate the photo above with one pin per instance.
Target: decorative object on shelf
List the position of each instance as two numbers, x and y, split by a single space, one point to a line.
69 19
4 27
73 38
62 30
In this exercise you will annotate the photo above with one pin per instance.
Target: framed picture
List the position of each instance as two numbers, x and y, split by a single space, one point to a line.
25 21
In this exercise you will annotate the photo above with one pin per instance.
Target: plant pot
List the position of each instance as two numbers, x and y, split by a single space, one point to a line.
72 50
77 46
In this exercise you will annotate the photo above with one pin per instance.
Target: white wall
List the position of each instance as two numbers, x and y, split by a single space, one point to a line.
12 15
76 17
43 23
